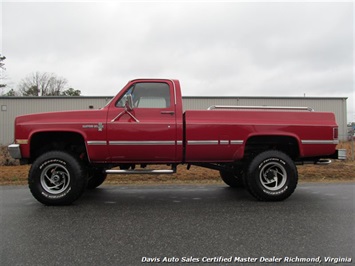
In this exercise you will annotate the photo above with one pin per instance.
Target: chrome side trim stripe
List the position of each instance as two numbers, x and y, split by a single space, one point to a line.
202 142
320 141
164 142
237 142
97 142
215 142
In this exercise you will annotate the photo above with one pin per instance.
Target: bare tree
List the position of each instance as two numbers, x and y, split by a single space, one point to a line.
42 84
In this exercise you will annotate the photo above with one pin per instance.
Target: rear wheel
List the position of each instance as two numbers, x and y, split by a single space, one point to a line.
233 179
271 176
57 178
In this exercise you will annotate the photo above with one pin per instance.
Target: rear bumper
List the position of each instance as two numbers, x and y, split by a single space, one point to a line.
324 160
339 154
15 151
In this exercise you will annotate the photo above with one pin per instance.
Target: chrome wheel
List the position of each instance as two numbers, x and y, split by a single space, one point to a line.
273 176
55 178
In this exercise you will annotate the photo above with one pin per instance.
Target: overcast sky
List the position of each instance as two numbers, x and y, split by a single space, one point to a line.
214 48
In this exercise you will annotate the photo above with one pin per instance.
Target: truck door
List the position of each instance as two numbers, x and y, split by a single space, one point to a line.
146 132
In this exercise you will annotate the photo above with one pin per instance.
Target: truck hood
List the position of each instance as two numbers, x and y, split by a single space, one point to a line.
65 117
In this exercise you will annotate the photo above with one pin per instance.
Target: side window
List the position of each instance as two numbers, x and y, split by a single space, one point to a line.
148 95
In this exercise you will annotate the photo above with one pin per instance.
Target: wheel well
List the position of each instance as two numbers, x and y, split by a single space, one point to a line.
286 144
64 141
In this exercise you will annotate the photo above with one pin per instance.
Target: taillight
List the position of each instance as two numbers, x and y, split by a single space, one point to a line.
335 133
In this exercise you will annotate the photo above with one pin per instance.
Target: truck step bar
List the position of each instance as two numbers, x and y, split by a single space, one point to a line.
212 107
142 171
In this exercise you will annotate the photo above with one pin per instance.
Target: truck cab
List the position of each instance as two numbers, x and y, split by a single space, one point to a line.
150 129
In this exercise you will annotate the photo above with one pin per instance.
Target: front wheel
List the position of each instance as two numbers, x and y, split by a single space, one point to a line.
96 177
271 176
57 178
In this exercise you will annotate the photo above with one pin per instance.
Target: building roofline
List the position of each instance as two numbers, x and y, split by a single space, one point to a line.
261 97
55 97
184 97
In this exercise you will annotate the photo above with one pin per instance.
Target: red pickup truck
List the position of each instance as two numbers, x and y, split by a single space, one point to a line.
255 147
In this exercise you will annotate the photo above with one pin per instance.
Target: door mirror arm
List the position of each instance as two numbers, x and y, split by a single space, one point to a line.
128 107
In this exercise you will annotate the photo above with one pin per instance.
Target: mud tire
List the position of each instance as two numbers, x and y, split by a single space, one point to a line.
234 180
96 178
271 176
57 178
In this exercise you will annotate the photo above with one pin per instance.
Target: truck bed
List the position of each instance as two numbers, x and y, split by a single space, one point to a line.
221 135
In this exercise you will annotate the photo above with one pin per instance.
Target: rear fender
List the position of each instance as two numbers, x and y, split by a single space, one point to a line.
256 143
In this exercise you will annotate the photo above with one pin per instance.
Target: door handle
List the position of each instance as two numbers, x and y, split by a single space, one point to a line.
167 112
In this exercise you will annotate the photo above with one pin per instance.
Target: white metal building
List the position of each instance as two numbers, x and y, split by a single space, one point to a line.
14 106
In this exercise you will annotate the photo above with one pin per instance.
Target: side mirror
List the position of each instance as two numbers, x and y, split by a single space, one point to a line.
128 102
